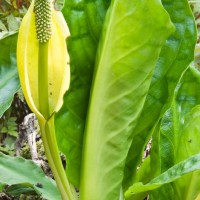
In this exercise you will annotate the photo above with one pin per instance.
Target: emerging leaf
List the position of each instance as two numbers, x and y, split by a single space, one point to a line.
177 171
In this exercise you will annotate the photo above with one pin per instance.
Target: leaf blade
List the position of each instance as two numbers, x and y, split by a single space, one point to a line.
189 165
121 81
85 20
176 55
9 82
16 170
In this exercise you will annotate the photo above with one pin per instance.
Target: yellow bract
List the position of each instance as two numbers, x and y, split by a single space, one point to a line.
198 197
58 61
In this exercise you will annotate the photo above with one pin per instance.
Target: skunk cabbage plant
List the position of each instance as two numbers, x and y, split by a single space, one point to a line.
43 65
131 80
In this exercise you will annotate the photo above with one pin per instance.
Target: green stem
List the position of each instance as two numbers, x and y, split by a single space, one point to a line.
47 127
52 153
43 79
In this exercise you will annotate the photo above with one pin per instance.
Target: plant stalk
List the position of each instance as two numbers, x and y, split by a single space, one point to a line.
47 127
43 80
52 153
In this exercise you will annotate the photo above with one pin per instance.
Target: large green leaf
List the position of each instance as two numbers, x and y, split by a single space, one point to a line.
186 97
16 170
165 191
179 125
188 187
189 165
175 57
84 18
125 63
184 126
9 82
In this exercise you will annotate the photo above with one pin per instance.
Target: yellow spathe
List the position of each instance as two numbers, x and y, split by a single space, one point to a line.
58 61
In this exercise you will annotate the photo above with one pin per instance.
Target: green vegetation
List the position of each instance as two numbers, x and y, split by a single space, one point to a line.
134 77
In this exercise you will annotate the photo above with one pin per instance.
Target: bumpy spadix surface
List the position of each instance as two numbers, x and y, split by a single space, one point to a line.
42 9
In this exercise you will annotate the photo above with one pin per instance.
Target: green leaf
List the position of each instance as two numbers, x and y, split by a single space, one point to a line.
125 63
185 99
189 165
9 2
16 170
59 4
164 192
186 131
16 190
9 82
4 130
144 171
84 18
6 150
174 58
179 127
4 34
13 127
1 187
13 133
13 23
2 26
12 119
188 187
11 124
9 142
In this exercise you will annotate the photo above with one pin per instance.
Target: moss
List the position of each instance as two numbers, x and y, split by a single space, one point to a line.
40 149
25 151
